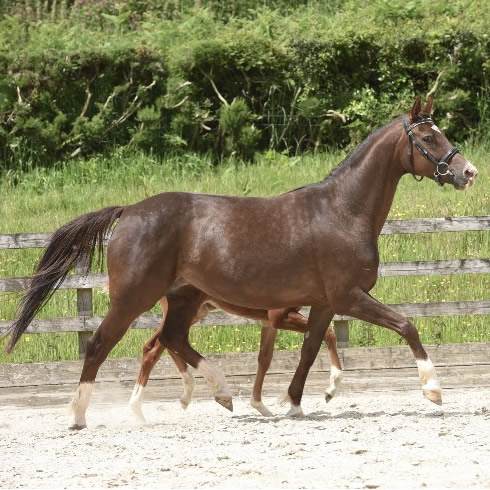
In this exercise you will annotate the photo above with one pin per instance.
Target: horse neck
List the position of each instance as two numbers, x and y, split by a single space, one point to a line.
365 186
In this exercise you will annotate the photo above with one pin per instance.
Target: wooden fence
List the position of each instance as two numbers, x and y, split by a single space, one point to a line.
85 323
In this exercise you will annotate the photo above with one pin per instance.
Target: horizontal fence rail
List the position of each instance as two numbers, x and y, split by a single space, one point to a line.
86 323
417 225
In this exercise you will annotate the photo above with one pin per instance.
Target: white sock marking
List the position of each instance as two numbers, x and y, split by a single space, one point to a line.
295 410
136 401
214 377
427 375
336 378
80 403
189 383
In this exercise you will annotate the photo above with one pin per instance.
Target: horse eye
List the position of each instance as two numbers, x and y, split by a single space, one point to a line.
428 139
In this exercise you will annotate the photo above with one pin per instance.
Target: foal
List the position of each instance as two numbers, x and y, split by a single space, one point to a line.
272 320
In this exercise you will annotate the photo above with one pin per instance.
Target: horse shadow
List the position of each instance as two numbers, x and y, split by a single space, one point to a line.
321 416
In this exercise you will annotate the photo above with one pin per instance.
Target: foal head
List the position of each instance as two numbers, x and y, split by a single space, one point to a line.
434 156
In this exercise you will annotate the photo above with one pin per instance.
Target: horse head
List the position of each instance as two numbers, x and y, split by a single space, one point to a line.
436 158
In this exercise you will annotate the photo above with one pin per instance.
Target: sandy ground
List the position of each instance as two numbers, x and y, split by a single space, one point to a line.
359 440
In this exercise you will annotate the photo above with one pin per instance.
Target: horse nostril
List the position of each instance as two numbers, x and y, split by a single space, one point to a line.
471 173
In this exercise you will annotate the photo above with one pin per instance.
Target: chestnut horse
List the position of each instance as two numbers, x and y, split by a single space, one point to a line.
272 320
316 245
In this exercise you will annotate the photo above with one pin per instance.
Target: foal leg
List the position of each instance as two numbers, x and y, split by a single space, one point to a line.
336 375
187 379
318 321
365 307
267 338
152 351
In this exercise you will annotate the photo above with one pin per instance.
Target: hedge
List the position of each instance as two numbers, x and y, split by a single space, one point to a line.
233 86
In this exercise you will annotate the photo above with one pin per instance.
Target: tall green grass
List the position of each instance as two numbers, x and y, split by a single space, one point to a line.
40 200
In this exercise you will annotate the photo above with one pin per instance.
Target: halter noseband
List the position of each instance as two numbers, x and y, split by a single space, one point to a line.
442 166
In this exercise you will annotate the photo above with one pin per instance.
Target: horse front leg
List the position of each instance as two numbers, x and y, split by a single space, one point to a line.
318 321
291 319
363 306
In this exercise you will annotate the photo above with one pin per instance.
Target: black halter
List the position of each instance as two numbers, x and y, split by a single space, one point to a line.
442 166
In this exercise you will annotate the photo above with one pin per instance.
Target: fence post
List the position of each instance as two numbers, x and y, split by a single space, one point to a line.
341 329
84 307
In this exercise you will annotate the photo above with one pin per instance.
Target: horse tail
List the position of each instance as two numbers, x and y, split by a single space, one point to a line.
81 237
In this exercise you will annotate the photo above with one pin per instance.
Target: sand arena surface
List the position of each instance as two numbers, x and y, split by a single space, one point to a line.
359 440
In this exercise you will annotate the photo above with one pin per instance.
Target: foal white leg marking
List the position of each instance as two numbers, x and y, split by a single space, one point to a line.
336 378
189 384
79 405
136 401
430 383
258 405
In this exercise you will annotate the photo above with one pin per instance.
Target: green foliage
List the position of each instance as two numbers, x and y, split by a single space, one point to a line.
238 130
86 76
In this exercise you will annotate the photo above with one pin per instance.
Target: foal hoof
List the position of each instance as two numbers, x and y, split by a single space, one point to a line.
184 403
261 408
225 401
435 396
77 427
328 397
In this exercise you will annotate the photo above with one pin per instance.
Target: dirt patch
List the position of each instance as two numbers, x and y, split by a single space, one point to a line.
359 440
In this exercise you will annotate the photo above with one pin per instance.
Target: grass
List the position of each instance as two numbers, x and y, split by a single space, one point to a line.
40 200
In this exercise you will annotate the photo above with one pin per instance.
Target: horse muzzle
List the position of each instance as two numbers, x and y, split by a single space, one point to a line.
464 178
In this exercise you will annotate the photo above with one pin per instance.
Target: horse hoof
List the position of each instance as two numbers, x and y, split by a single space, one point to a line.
435 396
77 427
296 412
328 397
184 403
225 401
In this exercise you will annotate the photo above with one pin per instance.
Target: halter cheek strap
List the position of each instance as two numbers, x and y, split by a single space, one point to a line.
441 166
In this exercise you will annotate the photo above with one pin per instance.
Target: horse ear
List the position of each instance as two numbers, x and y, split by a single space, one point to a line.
428 106
417 106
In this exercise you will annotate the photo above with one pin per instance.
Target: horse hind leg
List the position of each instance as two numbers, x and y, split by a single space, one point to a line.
152 352
125 307
182 309
110 331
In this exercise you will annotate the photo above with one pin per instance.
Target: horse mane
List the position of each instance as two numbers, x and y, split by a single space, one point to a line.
351 157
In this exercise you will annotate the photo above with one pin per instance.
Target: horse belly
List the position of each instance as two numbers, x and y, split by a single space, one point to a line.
258 285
